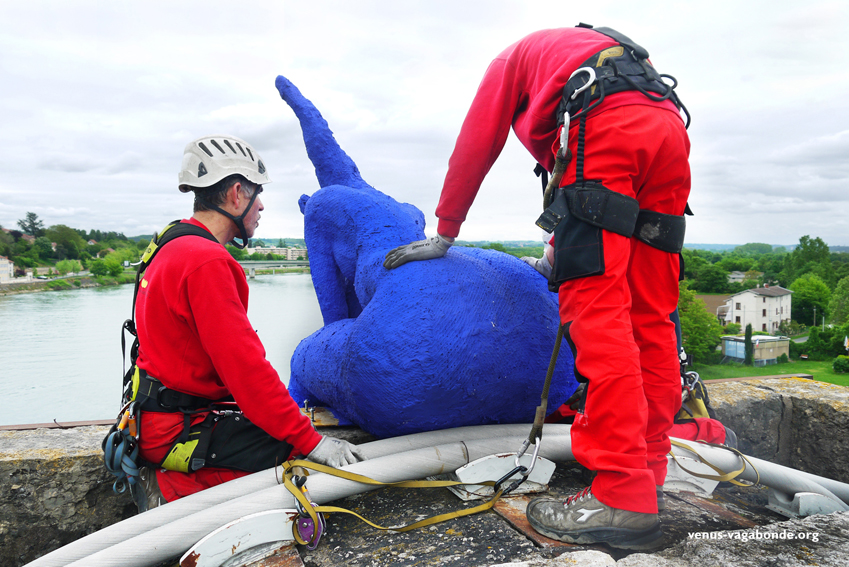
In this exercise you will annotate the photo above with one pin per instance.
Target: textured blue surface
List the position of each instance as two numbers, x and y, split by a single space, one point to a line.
462 340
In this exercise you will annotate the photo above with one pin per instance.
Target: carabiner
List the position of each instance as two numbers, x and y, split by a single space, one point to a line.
590 82
525 445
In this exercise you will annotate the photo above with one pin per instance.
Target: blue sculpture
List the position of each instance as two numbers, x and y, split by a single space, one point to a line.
462 340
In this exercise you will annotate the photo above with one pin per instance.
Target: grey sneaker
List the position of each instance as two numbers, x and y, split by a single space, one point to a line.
146 491
583 519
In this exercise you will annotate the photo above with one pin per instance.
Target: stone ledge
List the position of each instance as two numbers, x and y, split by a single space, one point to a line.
54 488
795 422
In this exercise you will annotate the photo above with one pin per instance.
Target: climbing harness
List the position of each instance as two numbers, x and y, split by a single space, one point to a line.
144 393
577 213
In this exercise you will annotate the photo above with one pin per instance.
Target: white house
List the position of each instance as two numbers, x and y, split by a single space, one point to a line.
286 253
7 270
762 307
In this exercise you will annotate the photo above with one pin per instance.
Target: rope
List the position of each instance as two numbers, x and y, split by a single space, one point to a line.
313 510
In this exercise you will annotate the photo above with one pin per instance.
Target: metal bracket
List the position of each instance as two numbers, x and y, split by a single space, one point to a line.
494 467
801 504
239 536
679 480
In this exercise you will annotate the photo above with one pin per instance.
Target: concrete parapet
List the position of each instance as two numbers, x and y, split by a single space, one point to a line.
795 422
54 489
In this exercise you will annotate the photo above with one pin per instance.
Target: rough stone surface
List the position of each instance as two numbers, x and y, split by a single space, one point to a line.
821 540
791 421
54 489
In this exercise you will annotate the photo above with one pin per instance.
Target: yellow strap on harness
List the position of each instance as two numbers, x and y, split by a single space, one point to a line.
722 476
313 511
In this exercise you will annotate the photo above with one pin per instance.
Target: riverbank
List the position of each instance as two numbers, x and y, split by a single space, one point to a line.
88 281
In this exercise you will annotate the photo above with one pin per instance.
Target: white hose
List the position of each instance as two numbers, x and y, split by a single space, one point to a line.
168 531
173 539
203 501
784 479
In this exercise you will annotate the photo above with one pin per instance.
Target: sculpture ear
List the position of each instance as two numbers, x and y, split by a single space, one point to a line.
302 202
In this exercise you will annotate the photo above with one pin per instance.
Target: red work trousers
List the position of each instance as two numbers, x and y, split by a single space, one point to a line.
625 342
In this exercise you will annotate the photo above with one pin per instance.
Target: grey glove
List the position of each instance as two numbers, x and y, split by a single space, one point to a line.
427 249
335 453
539 264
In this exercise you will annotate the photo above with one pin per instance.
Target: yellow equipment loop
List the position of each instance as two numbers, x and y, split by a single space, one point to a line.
722 476
313 511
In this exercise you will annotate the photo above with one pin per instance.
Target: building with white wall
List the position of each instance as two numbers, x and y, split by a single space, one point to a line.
286 253
7 270
765 308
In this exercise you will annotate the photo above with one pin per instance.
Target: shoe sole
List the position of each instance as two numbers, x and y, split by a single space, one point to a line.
620 538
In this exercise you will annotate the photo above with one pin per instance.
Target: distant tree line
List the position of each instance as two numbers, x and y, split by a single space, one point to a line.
64 249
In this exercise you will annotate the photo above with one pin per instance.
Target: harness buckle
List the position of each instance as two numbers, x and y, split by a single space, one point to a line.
590 82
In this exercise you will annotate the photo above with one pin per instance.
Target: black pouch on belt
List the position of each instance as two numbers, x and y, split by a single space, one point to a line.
577 216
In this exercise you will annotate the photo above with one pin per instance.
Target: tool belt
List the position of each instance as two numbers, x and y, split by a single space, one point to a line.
188 453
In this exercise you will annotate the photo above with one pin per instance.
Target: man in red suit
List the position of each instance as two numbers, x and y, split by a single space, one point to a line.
634 143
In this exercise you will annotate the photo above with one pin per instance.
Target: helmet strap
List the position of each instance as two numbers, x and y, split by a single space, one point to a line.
239 221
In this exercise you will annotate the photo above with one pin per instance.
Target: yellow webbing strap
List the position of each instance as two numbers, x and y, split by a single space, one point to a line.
313 511
722 476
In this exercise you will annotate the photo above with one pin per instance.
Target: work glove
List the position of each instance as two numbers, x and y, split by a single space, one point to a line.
541 265
574 401
427 249
335 453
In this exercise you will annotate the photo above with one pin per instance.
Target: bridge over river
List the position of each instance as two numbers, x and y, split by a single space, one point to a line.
253 265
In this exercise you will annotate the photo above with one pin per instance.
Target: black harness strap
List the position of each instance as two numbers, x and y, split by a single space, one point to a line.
175 229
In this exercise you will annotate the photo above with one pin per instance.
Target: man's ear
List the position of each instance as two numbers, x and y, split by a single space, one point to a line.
234 194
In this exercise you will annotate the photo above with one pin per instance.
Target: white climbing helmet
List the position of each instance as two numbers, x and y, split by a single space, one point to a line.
209 159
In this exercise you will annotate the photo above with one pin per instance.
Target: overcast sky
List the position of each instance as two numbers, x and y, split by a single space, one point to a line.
99 99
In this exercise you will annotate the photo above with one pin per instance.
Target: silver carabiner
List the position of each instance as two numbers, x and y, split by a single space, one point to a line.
521 452
590 82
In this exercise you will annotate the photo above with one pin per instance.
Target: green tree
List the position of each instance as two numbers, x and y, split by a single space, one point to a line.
700 331
809 293
31 225
237 253
711 278
68 266
754 248
44 247
748 346
68 239
838 307
494 246
732 329
99 268
811 256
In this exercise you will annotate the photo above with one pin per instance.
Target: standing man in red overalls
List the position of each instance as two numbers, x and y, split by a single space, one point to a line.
616 290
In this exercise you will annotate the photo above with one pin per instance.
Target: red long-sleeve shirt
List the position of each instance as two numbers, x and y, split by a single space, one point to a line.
521 88
195 337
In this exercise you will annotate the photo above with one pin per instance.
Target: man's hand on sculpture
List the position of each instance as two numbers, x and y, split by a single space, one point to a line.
427 249
335 453
541 265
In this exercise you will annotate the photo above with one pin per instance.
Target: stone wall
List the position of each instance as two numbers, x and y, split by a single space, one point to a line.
54 489
795 422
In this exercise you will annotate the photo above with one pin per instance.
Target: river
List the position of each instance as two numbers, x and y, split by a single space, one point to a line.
60 351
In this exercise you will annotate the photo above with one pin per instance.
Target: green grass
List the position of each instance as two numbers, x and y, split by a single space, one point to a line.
821 371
